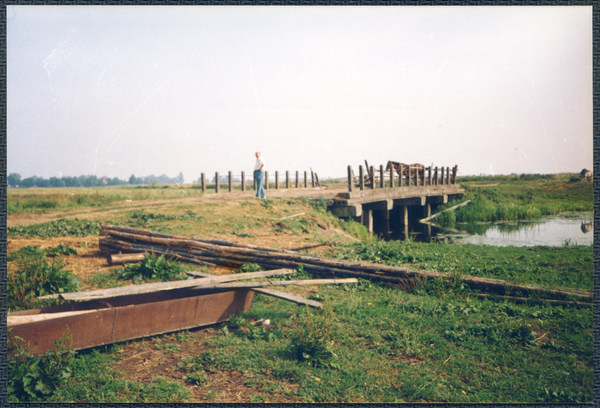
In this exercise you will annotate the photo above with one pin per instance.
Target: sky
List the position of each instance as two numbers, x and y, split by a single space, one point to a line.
149 90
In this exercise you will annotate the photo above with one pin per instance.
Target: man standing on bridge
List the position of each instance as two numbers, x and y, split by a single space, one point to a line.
259 174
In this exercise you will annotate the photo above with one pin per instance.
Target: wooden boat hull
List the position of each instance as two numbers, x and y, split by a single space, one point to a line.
96 323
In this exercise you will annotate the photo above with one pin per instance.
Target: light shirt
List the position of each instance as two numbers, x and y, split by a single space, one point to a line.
259 162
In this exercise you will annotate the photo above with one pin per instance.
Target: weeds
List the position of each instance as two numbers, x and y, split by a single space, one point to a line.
153 269
33 378
36 277
52 229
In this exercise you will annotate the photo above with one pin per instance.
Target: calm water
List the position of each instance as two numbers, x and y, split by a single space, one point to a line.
571 227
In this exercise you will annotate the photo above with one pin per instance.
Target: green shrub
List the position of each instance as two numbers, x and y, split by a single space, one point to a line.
310 338
248 267
153 269
36 277
36 378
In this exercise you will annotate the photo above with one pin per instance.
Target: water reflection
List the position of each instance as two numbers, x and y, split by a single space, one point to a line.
566 228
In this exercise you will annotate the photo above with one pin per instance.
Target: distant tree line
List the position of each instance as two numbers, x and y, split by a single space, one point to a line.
15 180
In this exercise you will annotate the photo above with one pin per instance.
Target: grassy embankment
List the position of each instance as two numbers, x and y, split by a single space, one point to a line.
434 342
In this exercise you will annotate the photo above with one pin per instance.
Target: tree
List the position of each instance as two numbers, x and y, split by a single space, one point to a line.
14 179
179 179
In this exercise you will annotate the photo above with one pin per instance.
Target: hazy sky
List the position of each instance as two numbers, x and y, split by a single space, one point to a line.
118 90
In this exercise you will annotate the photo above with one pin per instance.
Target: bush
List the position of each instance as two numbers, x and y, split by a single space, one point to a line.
36 277
310 338
36 378
153 269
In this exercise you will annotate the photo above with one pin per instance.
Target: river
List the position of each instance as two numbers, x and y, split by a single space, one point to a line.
569 228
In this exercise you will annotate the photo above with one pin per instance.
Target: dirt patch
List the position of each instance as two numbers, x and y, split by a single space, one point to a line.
149 358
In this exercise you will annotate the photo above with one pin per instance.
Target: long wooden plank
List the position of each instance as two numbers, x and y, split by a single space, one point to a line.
155 287
236 285
276 294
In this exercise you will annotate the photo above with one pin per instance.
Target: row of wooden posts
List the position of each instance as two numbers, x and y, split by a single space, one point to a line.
314 181
436 176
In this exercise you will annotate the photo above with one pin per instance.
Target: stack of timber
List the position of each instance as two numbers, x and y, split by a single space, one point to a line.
231 254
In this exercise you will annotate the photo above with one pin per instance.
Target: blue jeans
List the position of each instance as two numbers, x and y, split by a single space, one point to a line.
259 176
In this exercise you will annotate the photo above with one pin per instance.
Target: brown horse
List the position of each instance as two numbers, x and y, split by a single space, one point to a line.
416 169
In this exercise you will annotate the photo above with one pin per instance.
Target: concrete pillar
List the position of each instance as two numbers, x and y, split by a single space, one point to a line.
367 219
404 221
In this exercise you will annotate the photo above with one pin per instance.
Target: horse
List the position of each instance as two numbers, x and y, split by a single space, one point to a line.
416 169
586 175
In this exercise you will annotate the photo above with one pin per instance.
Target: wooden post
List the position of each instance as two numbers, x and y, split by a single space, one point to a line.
391 176
312 176
447 175
305 180
296 178
454 172
217 184
361 177
400 180
276 180
381 180
350 179
429 174
243 181
230 182
436 176
287 179
409 176
266 181
203 182
372 176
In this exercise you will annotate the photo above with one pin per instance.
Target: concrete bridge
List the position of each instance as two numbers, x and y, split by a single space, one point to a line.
385 210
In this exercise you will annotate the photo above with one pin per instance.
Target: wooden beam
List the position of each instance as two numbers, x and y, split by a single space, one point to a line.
274 293
156 287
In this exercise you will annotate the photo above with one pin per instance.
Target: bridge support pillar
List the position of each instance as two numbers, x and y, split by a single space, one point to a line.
367 220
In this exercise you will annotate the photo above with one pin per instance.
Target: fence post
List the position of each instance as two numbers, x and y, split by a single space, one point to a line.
243 181
361 176
381 181
217 182
312 177
287 179
409 176
297 181
400 180
429 175
276 180
349 178
454 173
305 180
391 176
203 182
230 181
372 177
266 181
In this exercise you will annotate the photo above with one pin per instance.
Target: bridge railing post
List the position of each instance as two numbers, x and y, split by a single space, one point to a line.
381 180
401 178
350 181
391 176
372 177
361 176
